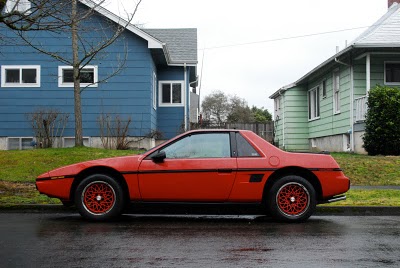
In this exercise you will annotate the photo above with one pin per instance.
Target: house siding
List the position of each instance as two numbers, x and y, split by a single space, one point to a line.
170 120
128 94
291 129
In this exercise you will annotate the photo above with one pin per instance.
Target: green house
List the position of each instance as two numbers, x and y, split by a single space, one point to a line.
325 109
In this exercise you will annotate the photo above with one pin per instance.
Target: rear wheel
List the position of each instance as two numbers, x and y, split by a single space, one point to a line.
99 197
292 199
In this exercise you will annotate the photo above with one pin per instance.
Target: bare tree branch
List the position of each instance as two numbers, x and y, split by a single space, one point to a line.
67 18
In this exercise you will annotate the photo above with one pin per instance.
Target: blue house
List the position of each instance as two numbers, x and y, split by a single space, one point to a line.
153 88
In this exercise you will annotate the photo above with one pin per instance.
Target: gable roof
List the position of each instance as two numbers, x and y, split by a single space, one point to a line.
179 45
383 33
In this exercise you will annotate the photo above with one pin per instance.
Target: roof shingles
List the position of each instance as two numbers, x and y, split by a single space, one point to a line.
181 43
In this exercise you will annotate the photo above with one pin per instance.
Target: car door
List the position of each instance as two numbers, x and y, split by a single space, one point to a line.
197 167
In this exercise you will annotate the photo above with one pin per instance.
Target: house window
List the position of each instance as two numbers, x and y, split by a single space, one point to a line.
19 143
171 93
68 142
392 73
88 76
154 91
313 103
323 89
20 76
277 105
336 92
20 6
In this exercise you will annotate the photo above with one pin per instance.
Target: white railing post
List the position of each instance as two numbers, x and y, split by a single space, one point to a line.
361 108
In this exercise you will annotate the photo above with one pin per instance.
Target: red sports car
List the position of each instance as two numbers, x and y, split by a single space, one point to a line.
202 167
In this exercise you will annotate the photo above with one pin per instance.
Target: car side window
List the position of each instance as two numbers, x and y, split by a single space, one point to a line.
204 145
244 148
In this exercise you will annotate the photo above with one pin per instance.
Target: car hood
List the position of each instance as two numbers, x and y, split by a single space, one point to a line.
121 164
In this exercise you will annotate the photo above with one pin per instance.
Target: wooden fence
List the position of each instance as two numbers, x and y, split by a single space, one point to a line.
264 130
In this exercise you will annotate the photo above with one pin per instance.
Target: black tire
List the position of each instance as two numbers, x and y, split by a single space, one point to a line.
292 199
99 197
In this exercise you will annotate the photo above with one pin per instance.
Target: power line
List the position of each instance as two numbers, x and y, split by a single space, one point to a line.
285 38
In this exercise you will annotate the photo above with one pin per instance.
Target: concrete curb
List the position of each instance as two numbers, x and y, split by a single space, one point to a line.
321 210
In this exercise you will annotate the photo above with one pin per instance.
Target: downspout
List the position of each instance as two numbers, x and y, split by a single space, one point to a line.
368 72
351 102
198 103
283 120
186 97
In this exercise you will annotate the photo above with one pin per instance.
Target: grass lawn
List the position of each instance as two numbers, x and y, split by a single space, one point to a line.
20 168
370 170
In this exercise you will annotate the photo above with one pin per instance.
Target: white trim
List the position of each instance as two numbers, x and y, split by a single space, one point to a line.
368 71
384 74
161 104
316 103
20 68
335 111
186 101
323 87
154 91
277 107
352 108
70 84
151 41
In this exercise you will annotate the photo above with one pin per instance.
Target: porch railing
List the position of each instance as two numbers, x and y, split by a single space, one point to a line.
360 105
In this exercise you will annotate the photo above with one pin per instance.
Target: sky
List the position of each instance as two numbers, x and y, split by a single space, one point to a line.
252 48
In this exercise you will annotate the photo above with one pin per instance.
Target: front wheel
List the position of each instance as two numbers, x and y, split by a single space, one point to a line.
292 199
99 197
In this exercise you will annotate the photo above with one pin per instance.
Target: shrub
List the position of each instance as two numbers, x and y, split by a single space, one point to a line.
382 124
48 124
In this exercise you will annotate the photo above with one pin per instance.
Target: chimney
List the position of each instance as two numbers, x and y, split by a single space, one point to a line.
391 2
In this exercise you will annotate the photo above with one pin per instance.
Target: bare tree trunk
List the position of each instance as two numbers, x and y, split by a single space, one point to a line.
76 78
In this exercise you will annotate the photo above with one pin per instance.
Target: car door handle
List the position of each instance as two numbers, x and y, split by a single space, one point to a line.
225 170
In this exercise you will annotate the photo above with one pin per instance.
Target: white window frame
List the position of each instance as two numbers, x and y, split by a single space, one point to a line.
324 89
20 146
154 91
336 91
384 74
70 84
314 111
277 106
20 68
161 104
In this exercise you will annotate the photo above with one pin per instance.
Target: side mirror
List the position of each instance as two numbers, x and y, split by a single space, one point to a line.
159 157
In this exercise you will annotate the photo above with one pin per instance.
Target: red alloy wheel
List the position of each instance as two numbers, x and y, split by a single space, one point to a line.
98 197
293 199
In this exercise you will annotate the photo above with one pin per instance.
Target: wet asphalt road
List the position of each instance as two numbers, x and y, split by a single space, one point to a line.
66 240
